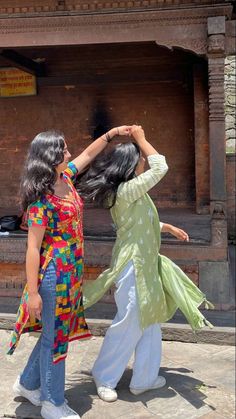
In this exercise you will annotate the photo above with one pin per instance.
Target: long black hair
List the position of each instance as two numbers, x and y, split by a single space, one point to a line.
107 172
45 153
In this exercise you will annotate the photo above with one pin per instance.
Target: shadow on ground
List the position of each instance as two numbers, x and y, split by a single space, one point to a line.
81 395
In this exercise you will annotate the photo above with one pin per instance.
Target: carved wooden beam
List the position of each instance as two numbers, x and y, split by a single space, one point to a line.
183 28
201 136
22 62
95 6
217 155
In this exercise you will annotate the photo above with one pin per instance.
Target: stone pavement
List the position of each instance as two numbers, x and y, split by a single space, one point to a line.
200 383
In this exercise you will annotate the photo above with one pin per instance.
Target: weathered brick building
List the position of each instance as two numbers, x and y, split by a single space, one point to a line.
159 63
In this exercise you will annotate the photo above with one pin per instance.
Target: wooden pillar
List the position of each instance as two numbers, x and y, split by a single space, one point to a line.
217 155
201 137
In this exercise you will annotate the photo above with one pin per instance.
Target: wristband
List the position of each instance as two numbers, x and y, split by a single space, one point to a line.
108 138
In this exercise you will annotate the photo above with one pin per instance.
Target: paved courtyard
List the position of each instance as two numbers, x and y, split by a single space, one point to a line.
200 383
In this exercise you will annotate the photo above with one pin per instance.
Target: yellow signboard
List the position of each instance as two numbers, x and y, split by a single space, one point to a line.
15 82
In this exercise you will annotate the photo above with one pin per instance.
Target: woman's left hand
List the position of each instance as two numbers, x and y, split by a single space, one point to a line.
179 234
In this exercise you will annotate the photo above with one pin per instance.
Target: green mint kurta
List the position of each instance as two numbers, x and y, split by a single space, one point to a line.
162 286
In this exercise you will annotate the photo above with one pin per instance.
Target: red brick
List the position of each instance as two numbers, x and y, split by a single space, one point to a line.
74 111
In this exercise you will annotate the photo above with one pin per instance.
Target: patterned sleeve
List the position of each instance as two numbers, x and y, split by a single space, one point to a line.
71 171
38 214
135 188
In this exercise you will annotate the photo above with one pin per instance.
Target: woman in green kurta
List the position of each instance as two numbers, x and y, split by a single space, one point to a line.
150 287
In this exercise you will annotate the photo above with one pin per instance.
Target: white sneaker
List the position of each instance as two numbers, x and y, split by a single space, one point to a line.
32 395
160 382
107 394
50 411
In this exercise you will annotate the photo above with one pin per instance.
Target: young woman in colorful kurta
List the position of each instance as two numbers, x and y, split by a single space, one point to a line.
149 287
52 299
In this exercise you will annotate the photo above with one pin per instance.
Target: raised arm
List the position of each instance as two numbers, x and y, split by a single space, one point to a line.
89 154
139 136
137 187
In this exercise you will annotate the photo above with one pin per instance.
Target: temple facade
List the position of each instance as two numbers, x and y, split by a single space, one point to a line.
165 64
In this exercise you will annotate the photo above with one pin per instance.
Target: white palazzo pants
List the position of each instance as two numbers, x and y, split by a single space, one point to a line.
125 337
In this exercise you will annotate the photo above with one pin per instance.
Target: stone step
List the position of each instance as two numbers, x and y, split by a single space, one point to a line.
104 310
176 330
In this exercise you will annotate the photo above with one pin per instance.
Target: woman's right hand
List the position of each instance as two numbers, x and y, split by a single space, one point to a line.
35 305
138 133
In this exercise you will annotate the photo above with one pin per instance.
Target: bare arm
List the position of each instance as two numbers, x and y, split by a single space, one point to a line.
89 154
175 231
133 189
35 238
138 133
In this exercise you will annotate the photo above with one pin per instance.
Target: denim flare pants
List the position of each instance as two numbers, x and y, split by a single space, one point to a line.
40 370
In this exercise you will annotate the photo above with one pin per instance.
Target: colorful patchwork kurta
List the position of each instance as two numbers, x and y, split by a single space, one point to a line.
63 245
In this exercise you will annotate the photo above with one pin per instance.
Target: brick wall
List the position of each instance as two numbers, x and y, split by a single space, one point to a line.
12 278
131 84
72 112
111 85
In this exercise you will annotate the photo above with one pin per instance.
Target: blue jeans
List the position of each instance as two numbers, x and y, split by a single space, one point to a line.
40 370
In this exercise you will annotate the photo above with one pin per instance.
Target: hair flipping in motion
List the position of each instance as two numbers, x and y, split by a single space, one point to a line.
107 172
45 153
